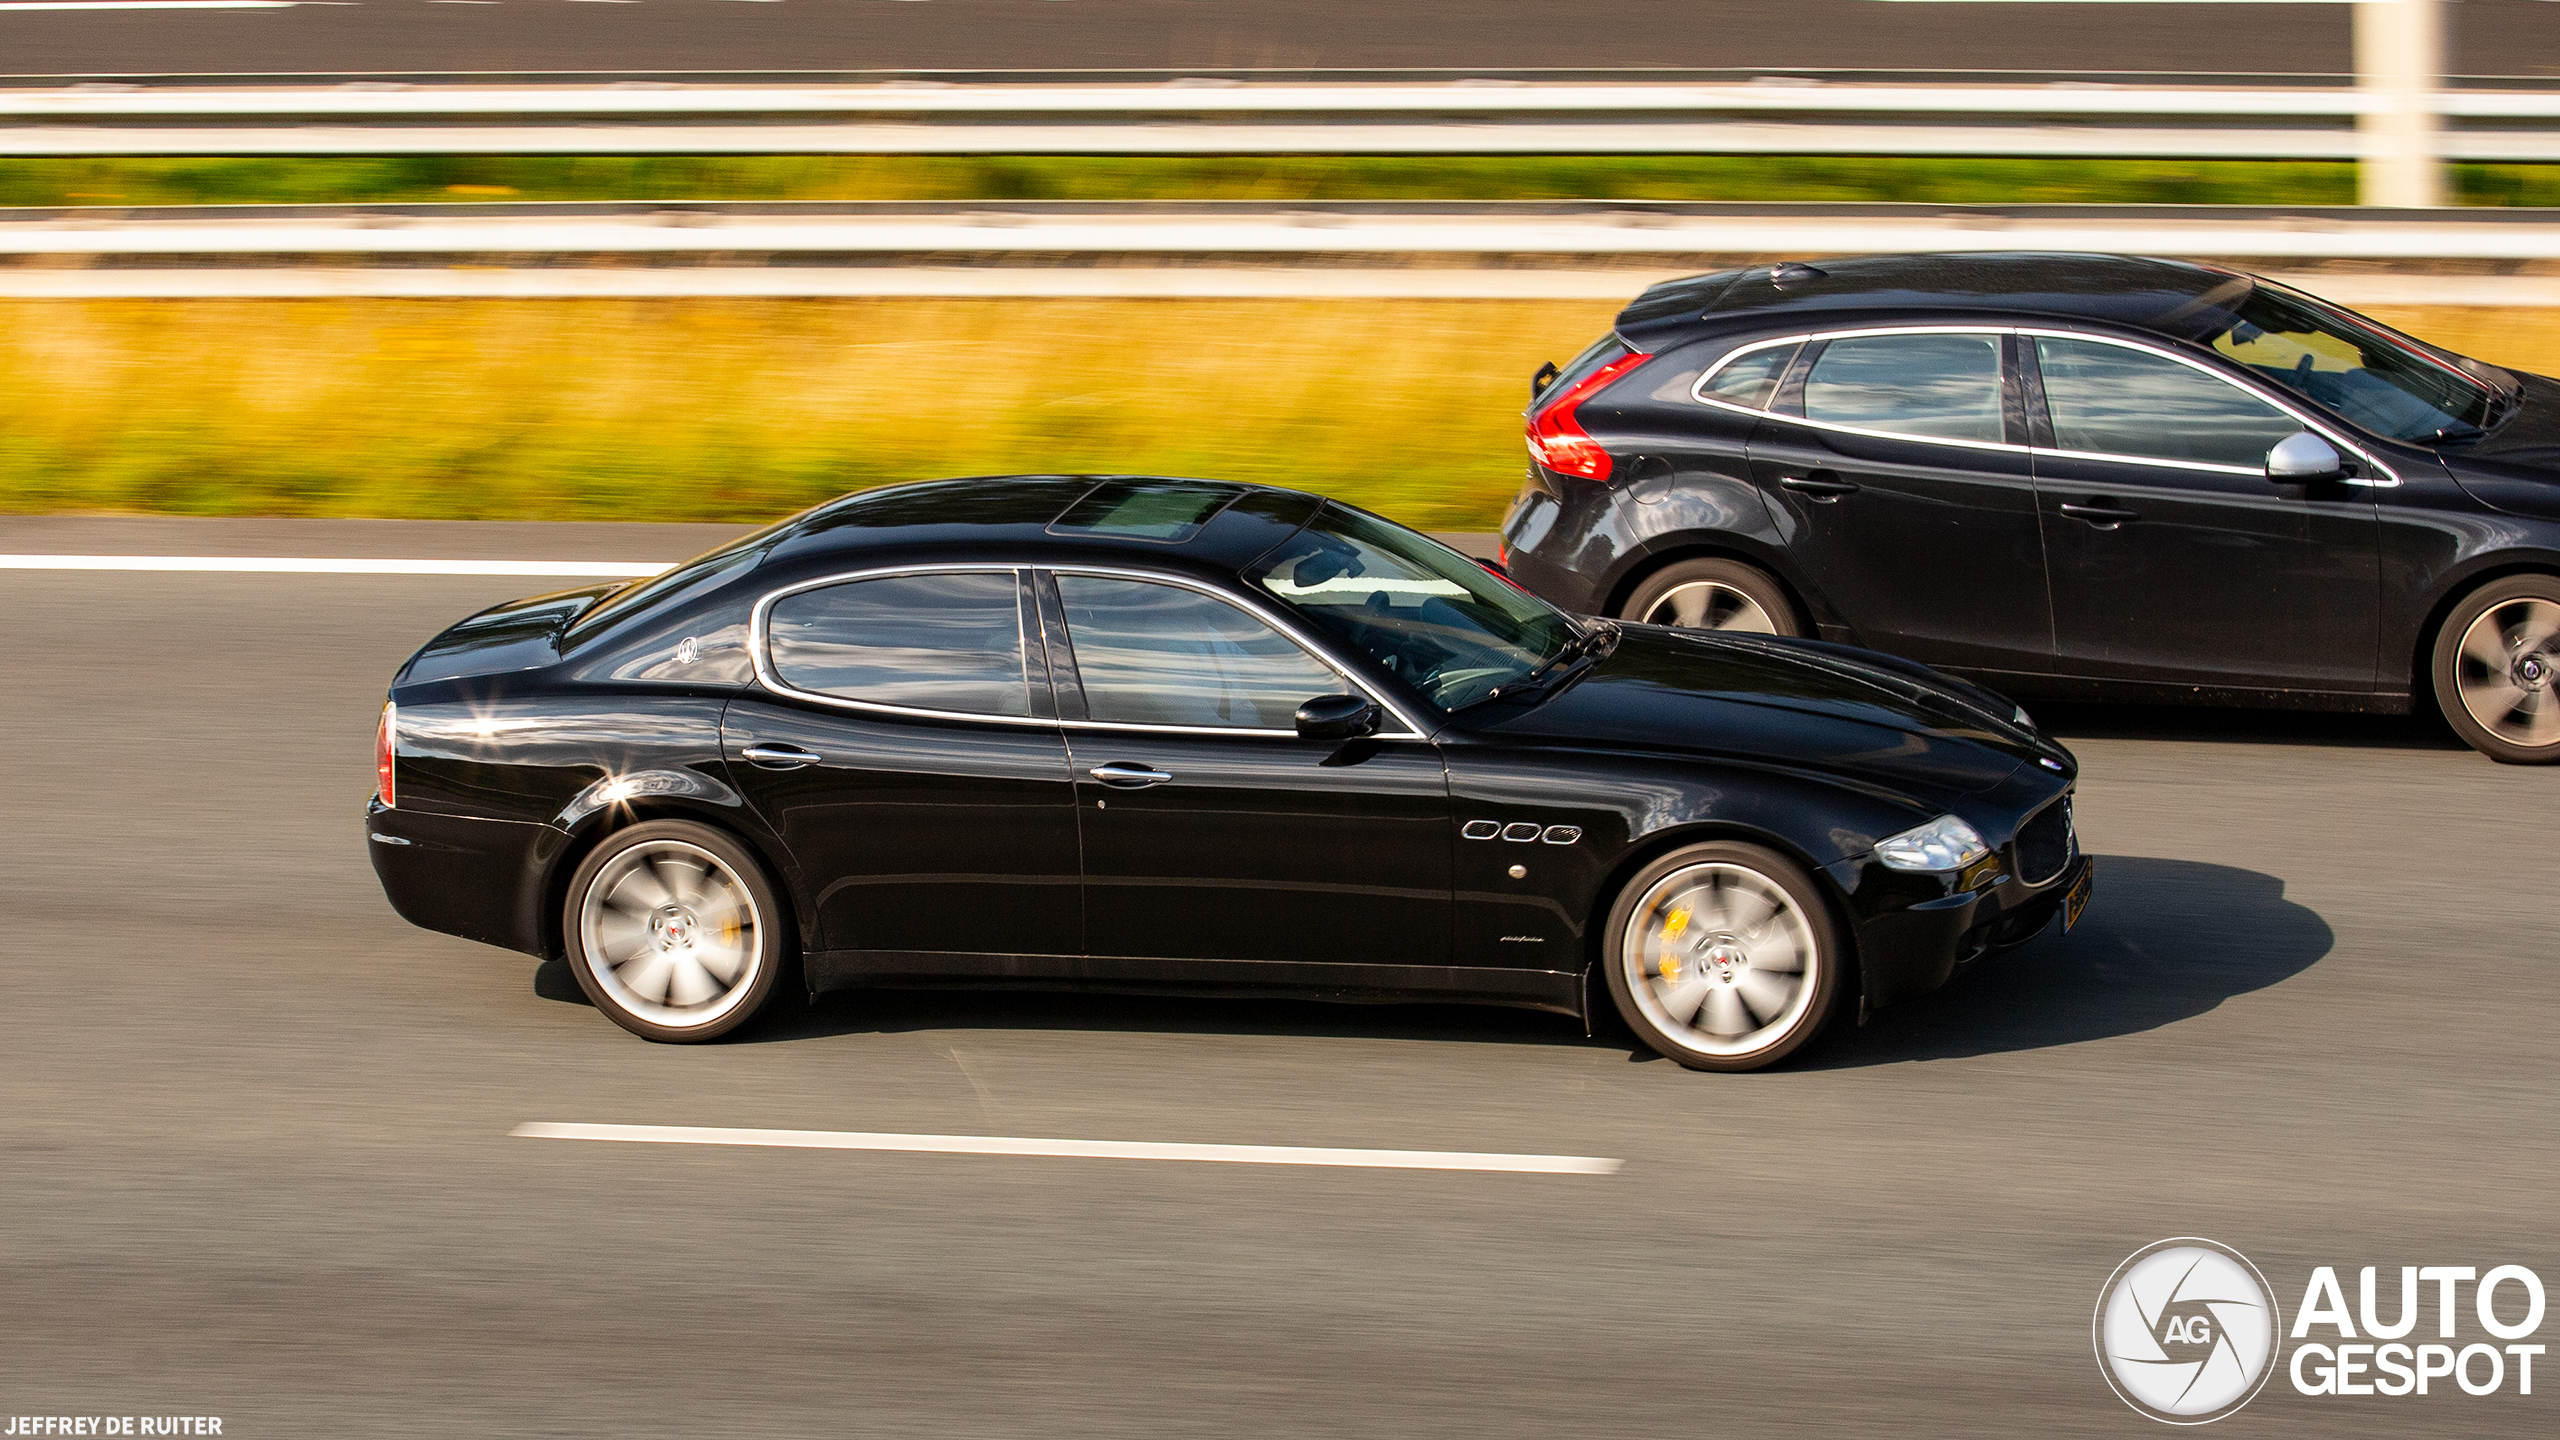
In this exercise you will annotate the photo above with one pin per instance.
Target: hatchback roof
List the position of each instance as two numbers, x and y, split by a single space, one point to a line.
2126 289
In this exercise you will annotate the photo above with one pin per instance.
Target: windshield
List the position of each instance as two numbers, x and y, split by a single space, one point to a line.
1422 611
2378 379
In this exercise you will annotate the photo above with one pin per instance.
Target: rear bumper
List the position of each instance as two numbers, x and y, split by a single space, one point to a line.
1908 949
479 879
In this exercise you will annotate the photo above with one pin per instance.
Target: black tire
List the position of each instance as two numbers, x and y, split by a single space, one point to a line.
2497 669
701 935
1714 595
1664 949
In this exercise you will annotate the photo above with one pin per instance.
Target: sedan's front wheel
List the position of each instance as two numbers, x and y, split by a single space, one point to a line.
1722 956
2497 660
674 931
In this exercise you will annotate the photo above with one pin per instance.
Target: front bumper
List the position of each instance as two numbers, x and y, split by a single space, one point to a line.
1910 948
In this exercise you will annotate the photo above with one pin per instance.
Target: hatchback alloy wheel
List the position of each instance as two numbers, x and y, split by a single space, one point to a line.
2498 665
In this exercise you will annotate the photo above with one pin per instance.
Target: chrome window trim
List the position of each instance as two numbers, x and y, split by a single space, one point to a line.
1254 608
759 644
1697 392
2245 385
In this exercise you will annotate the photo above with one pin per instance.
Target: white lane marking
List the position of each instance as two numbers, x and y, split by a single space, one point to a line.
281 565
1074 1149
149 4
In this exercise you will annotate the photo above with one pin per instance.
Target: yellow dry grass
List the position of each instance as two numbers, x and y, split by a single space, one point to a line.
738 410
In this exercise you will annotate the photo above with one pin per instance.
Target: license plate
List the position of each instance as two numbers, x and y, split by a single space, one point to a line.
2077 899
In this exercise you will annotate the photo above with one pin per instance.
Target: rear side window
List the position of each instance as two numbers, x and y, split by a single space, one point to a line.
2111 400
1937 387
1749 379
928 642
1153 654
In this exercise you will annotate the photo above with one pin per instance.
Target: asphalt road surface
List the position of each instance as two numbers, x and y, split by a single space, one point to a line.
254 1128
2490 37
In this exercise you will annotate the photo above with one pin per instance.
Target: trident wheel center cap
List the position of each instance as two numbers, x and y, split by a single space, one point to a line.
673 927
1727 957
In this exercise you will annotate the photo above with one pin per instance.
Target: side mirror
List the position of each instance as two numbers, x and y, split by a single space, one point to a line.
2304 456
1337 717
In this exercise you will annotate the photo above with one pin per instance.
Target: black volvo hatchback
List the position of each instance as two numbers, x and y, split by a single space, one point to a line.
1214 739
2073 476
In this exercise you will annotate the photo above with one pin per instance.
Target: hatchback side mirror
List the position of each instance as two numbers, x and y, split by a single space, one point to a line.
2304 456
1337 717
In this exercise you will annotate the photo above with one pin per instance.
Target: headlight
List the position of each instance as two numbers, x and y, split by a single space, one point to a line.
1945 843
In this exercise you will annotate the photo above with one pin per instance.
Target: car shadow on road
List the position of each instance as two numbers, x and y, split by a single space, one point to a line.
2070 723
2162 941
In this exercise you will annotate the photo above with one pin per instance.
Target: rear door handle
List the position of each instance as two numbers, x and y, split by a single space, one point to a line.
781 757
2103 517
1121 775
1825 487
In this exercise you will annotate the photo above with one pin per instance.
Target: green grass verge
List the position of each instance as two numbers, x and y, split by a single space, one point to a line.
411 179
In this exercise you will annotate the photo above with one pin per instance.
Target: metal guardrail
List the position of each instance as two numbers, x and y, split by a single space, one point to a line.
1157 230
1214 117
1523 250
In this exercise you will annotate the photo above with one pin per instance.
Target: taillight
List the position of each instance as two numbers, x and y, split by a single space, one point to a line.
383 782
1558 440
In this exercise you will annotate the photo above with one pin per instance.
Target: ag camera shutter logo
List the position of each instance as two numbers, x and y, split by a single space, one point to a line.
2186 1331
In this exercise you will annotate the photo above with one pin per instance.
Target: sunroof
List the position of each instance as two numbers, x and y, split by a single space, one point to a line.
1168 510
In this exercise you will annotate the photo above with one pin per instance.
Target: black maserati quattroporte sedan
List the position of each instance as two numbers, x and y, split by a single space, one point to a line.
1189 737
2067 476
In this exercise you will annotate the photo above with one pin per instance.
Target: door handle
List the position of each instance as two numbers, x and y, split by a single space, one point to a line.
781 757
2103 517
1121 775
1823 487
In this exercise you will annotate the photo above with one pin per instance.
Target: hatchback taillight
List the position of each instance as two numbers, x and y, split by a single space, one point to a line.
1558 440
382 755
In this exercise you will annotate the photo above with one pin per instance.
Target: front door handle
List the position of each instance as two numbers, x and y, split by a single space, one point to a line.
2103 517
1121 775
781 757
1822 486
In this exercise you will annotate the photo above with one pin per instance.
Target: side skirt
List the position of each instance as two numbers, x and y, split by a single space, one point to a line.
1553 990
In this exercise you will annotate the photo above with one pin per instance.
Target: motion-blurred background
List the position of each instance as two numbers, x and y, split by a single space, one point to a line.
716 259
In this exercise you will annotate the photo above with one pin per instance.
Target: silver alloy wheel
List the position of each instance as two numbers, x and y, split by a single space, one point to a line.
1710 605
2505 669
671 933
1720 959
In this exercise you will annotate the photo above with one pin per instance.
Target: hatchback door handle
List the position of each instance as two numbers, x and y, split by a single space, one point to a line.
2104 517
1121 775
1822 485
781 757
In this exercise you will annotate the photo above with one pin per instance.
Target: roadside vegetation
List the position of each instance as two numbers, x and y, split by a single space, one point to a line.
741 410
441 178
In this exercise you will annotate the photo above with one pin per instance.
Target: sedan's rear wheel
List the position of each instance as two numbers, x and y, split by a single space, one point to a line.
674 931
1724 595
1722 956
2496 663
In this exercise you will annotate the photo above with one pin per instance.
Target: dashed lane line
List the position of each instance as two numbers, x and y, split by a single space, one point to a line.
1074 1149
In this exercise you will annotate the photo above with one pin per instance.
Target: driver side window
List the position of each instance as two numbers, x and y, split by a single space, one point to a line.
1155 654
2114 400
